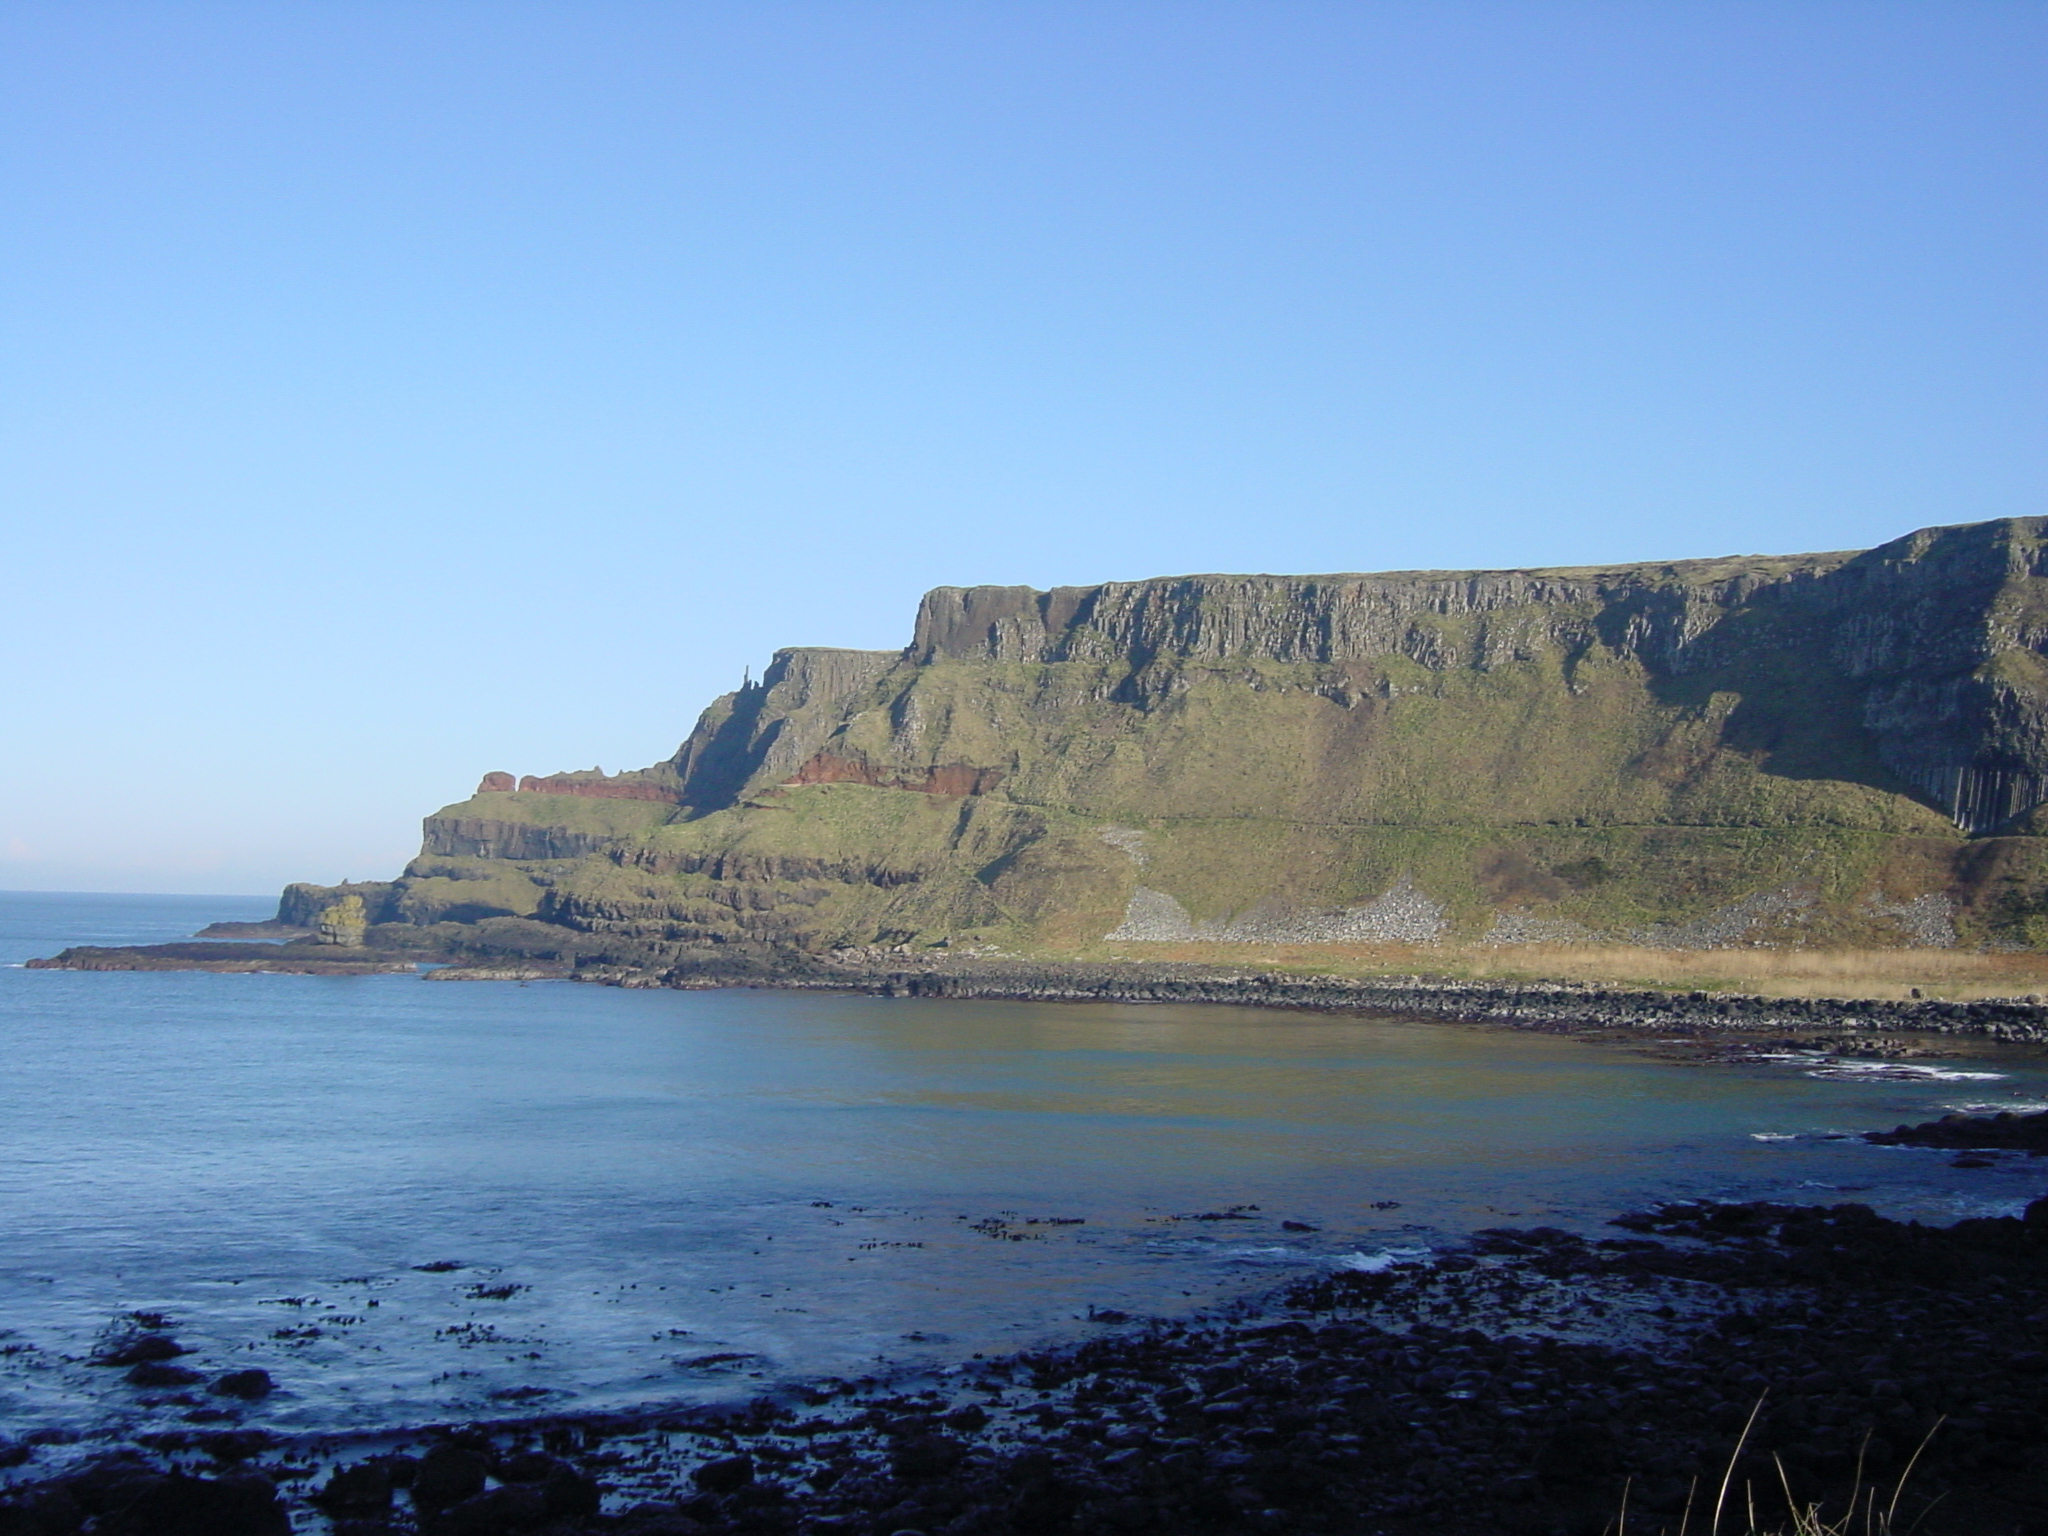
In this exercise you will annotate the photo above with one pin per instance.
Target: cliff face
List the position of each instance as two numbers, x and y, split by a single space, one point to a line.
1917 665
767 730
1825 748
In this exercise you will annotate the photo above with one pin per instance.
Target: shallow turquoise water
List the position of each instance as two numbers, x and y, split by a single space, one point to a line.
815 1182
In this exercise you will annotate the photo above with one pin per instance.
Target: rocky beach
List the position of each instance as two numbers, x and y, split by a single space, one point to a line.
1762 1358
1706 1365
1680 1024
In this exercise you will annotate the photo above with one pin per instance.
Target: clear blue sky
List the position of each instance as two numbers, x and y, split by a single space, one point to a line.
397 391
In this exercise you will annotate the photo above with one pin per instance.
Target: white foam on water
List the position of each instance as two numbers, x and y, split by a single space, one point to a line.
2010 1106
1832 1069
1898 1072
1375 1263
1772 1136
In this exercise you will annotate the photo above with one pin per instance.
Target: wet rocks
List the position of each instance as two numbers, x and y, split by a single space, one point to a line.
157 1373
121 1497
497 1512
566 1491
44 1510
447 1475
359 1489
1381 1406
1474 1394
250 1385
561 1487
725 1474
2003 1132
918 1456
139 1349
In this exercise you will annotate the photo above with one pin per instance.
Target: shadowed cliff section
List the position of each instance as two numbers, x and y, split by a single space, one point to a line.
1836 749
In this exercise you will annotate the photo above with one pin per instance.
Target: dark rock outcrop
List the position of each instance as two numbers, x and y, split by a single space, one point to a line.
123 1497
2000 1132
303 904
448 1475
303 958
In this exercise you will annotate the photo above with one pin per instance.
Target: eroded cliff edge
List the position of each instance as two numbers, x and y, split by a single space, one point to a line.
1836 749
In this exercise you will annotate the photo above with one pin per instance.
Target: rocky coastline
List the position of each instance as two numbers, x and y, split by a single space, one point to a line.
1757 1359
1678 1024
1576 1008
291 958
1536 1005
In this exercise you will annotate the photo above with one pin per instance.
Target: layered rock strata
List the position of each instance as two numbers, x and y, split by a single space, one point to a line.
1838 749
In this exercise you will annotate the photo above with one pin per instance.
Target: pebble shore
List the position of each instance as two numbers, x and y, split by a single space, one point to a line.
1532 1383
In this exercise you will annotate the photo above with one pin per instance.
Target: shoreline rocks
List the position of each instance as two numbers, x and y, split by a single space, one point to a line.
293 958
2005 1132
1566 1006
1524 1384
1558 1007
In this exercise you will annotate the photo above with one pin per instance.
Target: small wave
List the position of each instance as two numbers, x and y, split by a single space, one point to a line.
1899 1072
1374 1263
1772 1136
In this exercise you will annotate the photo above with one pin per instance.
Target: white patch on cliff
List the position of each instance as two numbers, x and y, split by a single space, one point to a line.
1927 921
1528 928
1126 840
1404 915
1730 925
1156 917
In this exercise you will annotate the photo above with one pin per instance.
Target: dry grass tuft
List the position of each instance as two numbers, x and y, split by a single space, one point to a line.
1870 1511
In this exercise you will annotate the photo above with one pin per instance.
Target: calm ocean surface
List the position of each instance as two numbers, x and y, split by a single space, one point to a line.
634 1182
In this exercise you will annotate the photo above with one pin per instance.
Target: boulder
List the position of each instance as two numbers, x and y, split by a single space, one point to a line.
447 1475
724 1475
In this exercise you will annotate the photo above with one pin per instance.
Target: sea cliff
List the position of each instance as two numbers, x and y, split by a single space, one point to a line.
1844 749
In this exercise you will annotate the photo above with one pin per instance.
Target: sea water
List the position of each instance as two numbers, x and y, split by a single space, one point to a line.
413 1201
